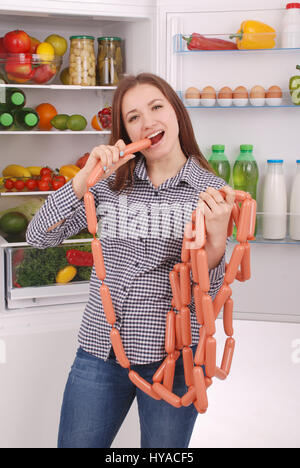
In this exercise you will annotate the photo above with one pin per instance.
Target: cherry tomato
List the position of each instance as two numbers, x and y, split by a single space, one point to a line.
47 177
59 178
45 171
17 42
9 184
44 185
57 184
19 184
31 184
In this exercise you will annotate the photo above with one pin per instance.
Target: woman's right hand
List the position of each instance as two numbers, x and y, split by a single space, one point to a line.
109 157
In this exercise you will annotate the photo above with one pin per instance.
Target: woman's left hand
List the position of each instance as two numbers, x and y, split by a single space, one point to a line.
217 214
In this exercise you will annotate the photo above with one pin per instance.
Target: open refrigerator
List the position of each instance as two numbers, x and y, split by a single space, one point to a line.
152 34
39 324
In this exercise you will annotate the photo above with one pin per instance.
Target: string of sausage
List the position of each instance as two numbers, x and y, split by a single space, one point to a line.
178 336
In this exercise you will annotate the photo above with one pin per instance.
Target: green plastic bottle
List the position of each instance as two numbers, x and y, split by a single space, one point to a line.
245 171
219 162
25 118
6 120
15 98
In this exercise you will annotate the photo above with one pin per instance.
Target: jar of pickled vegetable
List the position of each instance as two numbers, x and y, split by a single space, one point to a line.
82 63
109 61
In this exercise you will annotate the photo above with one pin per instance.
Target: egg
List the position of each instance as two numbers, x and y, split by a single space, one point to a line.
208 93
257 92
274 96
208 96
240 96
257 96
192 97
274 92
225 93
192 93
240 93
225 97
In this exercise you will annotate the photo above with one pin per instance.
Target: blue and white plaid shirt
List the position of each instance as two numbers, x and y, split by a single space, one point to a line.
141 236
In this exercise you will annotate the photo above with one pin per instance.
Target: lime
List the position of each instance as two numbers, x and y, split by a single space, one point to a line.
65 76
77 122
60 121
13 223
59 43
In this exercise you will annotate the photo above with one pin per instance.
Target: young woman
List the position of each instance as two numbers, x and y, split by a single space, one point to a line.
134 200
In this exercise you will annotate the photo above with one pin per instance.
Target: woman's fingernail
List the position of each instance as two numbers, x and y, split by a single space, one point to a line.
104 168
121 153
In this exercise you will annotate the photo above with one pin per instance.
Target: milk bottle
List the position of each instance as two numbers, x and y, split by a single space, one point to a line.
274 201
295 206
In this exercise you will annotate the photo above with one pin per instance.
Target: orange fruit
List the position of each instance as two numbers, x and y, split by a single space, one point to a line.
95 123
46 113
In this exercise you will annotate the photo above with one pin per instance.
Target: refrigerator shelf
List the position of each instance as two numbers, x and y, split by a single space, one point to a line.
180 46
4 244
55 132
60 87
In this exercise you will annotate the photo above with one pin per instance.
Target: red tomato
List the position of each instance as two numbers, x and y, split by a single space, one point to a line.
19 184
9 184
57 184
44 73
47 177
44 185
45 171
59 178
31 184
17 42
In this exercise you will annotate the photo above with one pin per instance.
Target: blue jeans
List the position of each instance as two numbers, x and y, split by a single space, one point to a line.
98 396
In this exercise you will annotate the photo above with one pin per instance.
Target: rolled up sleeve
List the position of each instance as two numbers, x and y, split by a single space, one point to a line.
62 205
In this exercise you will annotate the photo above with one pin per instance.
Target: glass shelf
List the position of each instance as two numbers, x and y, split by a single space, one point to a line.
60 87
270 224
180 46
55 132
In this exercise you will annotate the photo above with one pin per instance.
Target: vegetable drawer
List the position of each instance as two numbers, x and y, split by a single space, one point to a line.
38 277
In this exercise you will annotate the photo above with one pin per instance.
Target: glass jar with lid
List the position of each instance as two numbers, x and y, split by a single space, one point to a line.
82 62
109 61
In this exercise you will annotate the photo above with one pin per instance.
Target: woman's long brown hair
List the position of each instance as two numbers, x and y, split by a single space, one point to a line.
189 146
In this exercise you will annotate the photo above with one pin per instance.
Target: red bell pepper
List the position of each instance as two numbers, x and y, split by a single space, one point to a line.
79 258
199 42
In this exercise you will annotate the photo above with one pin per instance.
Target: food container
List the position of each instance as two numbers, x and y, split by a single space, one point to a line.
192 102
82 64
109 61
29 68
31 276
257 102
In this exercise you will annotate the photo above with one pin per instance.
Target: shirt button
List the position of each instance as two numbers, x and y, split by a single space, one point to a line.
124 288
156 193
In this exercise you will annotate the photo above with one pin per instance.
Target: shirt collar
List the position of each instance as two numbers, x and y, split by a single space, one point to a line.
188 173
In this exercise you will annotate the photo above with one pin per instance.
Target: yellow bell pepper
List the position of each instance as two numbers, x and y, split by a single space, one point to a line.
69 171
255 35
66 274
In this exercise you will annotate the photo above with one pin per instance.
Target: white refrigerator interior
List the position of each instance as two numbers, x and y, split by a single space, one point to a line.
258 405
